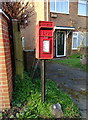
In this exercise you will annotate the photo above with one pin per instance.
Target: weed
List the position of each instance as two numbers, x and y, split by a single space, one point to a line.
27 99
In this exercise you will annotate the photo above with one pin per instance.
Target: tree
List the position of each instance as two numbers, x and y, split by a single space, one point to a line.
18 10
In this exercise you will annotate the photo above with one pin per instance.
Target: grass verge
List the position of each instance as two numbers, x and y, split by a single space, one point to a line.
26 100
72 61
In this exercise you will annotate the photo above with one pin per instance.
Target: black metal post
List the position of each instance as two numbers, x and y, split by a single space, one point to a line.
43 79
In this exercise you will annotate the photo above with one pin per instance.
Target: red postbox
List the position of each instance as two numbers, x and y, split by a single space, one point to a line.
44 40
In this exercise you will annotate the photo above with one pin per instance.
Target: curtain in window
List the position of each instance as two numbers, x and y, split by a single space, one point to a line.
79 38
52 5
75 40
62 6
83 38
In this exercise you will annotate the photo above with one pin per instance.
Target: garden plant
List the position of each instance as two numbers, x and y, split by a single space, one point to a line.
26 100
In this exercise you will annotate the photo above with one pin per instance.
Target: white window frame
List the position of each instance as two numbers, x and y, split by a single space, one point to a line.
81 2
60 12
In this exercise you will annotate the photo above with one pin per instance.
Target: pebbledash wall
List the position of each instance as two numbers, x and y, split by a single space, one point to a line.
5 64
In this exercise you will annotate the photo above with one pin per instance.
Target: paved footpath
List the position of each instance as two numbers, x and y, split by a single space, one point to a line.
73 81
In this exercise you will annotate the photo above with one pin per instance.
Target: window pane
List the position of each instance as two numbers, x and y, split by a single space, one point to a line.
82 1
79 39
83 38
87 39
52 5
74 42
83 7
87 8
62 6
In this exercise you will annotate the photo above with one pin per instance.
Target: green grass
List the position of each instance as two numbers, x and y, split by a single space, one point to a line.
74 56
73 61
27 97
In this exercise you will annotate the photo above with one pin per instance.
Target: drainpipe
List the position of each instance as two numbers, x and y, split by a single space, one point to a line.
47 11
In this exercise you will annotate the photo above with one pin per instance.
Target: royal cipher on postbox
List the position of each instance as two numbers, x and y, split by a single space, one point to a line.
44 40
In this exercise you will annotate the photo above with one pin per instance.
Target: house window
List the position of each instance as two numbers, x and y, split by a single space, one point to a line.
59 6
79 38
74 40
83 7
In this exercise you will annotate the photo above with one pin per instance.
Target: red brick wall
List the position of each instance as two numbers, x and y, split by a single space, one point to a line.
5 65
73 20
74 51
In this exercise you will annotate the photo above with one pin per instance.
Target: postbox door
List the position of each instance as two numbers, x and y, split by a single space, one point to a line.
46 48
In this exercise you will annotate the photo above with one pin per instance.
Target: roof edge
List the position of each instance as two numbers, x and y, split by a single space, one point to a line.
64 28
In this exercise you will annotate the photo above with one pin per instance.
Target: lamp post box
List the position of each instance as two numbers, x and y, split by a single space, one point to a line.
44 40
44 47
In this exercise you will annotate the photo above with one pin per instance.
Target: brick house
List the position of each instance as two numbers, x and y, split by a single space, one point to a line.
70 20
70 25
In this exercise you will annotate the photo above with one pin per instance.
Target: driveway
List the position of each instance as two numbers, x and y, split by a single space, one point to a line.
71 80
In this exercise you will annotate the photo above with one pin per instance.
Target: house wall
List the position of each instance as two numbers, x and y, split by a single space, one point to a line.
5 65
29 33
72 19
